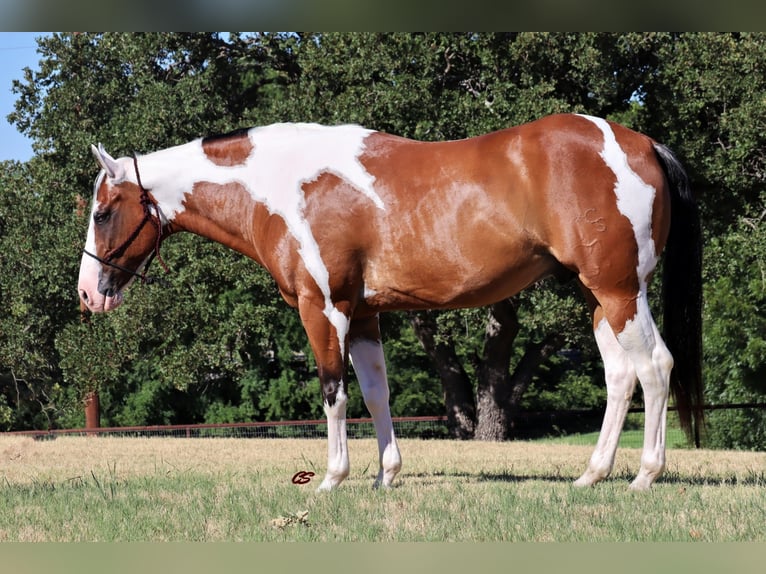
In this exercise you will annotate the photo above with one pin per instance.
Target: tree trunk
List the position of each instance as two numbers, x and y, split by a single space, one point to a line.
458 394
499 392
493 394
534 356
492 415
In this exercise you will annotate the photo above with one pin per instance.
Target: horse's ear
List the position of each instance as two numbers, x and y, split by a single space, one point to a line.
112 167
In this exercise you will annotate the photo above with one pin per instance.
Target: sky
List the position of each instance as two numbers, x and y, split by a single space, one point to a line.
18 50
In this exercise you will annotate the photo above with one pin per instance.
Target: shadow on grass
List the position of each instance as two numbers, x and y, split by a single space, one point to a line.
752 478
438 476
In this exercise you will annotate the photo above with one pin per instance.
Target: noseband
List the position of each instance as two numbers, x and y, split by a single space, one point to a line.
147 202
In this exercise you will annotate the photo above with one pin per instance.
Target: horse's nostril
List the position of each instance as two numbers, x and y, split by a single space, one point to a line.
84 295
105 286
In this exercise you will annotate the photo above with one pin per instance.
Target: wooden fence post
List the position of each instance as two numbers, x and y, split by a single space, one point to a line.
92 411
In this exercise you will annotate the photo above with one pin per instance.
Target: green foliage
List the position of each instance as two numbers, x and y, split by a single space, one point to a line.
37 261
440 86
706 100
6 413
415 389
735 331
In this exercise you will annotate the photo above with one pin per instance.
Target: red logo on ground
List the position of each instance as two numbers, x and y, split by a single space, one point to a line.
302 477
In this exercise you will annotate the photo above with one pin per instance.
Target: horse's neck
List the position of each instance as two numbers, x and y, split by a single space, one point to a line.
171 176
197 196
189 185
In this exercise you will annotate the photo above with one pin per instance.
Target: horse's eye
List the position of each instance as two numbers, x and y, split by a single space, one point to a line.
101 217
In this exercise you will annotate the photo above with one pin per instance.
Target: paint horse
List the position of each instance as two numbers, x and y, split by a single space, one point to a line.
352 222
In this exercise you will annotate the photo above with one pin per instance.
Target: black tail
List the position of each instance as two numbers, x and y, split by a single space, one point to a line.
682 296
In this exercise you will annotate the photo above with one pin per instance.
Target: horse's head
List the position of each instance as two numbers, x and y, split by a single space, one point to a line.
119 243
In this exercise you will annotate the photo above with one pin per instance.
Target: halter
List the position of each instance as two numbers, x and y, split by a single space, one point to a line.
147 202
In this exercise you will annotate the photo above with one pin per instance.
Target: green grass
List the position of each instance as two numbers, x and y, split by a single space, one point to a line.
427 508
448 491
675 438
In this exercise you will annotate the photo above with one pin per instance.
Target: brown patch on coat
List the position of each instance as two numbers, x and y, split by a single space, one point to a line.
228 150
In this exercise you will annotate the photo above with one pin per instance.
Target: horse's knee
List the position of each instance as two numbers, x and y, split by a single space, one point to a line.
332 391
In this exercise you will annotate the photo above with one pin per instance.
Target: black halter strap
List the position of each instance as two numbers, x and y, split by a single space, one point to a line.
143 277
147 202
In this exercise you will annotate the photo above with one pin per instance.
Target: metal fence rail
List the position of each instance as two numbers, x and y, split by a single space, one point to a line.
415 427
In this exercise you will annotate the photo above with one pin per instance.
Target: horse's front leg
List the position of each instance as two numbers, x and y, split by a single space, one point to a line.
370 366
327 331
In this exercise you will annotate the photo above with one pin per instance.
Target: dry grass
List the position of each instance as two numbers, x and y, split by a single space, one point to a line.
159 489
24 460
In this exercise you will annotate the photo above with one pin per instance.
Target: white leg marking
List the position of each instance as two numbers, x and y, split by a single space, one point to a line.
370 367
337 443
653 363
620 384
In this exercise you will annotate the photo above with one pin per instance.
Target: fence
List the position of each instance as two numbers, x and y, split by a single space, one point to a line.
528 424
407 427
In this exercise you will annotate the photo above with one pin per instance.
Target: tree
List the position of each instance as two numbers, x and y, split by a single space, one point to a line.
37 241
448 86
705 99
735 337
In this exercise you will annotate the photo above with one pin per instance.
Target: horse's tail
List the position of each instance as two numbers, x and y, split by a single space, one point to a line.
682 296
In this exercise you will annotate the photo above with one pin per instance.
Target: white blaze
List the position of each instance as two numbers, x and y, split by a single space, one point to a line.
90 268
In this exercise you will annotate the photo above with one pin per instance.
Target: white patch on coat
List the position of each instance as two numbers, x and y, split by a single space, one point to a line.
635 198
284 158
368 292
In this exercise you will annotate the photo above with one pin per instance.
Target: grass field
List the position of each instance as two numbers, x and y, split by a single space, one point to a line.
160 489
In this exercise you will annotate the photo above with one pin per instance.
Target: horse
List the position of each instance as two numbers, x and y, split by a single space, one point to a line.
352 222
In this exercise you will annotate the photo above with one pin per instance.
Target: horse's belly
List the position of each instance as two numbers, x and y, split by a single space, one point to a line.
438 284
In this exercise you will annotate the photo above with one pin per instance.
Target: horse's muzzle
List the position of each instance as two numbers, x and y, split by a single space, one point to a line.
98 302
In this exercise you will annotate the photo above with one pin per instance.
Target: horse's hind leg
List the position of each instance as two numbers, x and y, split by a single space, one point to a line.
653 363
370 368
631 348
620 383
